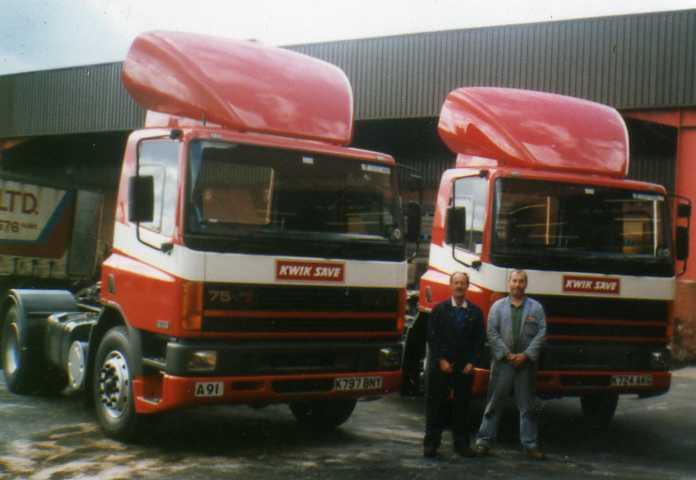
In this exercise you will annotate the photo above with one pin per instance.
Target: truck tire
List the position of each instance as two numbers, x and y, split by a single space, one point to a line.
599 408
24 361
415 357
112 387
323 414
20 355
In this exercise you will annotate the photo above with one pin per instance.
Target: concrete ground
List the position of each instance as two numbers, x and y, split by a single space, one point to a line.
57 438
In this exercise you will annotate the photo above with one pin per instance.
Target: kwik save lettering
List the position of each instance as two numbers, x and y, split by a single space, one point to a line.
591 285
325 272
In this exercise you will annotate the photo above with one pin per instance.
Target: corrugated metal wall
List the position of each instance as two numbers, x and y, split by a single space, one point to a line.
653 153
635 61
71 100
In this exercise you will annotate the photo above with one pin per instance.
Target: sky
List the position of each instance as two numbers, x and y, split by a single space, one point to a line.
47 34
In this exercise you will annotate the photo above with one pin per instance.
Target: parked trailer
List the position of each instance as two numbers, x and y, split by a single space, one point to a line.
256 259
48 235
540 184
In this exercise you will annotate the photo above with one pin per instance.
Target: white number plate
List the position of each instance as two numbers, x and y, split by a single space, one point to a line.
209 389
631 380
357 383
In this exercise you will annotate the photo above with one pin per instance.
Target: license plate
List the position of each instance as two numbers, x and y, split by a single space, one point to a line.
357 383
631 380
209 389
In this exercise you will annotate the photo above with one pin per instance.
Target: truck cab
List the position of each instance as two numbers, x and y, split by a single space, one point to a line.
540 185
256 258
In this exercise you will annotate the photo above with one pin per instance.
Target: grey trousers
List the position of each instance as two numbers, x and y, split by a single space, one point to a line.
504 378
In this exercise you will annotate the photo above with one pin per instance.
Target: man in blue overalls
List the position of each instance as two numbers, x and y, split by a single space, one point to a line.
516 332
455 341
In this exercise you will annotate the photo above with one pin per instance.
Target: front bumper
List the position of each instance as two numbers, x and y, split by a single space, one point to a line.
283 358
264 372
569 383
163 392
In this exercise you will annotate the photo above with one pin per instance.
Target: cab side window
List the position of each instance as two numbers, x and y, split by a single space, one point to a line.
471 193
160 158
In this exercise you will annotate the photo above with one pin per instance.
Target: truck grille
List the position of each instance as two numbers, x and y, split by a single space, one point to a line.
600 319
277 309
291 298
599 356
273 324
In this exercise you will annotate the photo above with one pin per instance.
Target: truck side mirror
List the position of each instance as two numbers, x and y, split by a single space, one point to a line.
141 198
682 243
413 221
456 225
684 210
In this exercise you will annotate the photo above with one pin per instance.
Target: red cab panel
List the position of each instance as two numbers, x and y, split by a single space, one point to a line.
527 129
240 85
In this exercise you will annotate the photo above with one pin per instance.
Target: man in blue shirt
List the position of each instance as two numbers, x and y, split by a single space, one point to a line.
455 341
516 331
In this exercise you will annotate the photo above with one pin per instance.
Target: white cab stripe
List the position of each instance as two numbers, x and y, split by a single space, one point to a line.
542 282
239 268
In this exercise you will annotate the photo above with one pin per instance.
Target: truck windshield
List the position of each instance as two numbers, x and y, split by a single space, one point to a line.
587 228
283 201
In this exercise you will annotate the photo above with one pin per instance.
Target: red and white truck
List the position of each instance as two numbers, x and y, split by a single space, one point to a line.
255 259
540 185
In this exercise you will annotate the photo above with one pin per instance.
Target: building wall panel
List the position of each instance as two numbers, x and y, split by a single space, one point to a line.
72 100
631 62
636 61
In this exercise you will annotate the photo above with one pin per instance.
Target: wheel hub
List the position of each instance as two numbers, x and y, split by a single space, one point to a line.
11 359
114 384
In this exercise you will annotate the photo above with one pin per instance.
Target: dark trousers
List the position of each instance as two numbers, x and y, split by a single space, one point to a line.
439 409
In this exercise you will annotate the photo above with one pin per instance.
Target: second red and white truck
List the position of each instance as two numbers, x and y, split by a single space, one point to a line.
540 184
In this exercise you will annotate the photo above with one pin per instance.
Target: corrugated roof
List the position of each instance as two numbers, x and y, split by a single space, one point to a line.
632 61
64 101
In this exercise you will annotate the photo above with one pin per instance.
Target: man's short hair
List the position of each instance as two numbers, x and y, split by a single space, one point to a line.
519 272
466 275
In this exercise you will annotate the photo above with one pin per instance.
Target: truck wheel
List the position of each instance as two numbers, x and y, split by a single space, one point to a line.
599 408
20 361
113 387
323 414
415 358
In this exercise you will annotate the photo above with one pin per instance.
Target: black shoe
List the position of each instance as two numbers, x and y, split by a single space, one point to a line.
535 454
429 451
482 450
464 451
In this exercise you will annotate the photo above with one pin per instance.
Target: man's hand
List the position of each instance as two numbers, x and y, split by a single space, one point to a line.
518 360
445 366
468 368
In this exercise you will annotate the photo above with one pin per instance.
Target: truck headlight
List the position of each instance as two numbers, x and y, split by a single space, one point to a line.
660 359
202 361
388 359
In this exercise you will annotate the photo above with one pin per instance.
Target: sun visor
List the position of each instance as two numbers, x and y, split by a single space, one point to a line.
240 85
527 129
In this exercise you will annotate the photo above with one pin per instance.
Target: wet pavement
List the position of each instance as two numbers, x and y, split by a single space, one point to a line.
57 438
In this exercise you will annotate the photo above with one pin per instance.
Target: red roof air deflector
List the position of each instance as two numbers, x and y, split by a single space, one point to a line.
526 129
240 85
